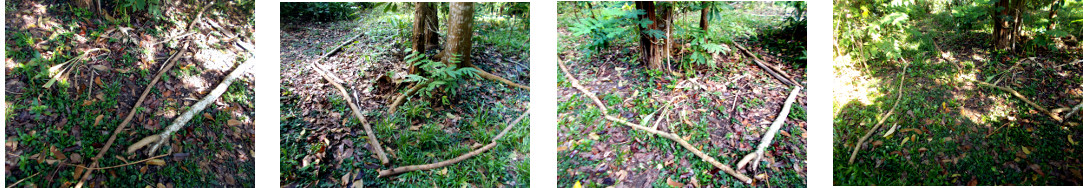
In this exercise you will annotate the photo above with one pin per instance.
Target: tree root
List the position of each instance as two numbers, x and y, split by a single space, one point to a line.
400 170
1020 96
379 150
671 136
770 135
774 71
861 142
199 106
493 77
402 98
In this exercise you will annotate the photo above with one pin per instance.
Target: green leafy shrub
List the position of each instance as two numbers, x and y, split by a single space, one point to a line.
606 25
702 47
445 76
320 11
151 7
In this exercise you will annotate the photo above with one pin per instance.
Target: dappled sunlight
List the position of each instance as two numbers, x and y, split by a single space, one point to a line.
214 59
852 85
194 82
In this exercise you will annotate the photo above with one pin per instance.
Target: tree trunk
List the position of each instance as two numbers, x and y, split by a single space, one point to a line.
1007 23
424 34
703 24
460 30
653 48
1053 14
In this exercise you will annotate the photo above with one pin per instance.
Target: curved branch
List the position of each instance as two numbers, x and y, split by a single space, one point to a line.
400 170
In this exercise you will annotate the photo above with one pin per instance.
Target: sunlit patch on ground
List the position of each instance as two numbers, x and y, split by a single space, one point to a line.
852 85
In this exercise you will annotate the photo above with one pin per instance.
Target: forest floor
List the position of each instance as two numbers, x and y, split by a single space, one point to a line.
724 112
950 130
50 129
323 145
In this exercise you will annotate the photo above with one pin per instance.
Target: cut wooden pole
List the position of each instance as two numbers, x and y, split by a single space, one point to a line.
773 71
861 142
671 136
1020 96
492 143
202 104
770 135
379 150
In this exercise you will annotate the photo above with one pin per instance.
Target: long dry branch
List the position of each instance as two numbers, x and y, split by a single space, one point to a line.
774 71
770 135
379 150
671 136
202 104
1074 110
861 142
400 170
1020 96
109 143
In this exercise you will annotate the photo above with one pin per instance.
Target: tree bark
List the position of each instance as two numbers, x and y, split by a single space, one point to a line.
653 48
1007 23
460 30
424 34
703 24
1053 14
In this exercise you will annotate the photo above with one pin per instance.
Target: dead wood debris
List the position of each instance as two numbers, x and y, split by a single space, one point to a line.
492 143
671 136
860 142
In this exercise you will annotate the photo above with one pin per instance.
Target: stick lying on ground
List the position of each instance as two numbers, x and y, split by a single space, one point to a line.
769 69
767 137
1074 110
109 143
492 143
861 142
202 104
1020 96
674 137
493 77
379 150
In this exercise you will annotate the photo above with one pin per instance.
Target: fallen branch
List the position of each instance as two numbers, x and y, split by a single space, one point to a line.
402 98
400 170
774 71
493 77
338 48
131 113
379 150
1020 96
122 165
861 142
202 104
1074 110
24 179
671 136
770 135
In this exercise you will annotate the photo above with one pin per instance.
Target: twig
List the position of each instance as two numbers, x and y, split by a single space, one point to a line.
202 104
784 78
24 179
860 142
123 165
400 170
1074 110
357 113
767 137
673 137
1020 96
